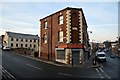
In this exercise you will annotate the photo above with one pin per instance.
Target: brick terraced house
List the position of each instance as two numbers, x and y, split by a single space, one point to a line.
64 37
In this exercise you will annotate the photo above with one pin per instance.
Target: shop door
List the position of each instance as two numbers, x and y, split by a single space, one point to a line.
75 58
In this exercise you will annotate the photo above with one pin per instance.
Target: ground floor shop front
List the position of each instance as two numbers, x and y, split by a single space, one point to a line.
73 54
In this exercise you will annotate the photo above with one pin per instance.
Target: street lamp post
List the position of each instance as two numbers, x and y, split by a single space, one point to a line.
89 47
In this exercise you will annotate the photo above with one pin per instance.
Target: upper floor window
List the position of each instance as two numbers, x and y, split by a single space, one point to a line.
21 39
25 45
34 40
30 45
60 18
17 45
45 24
26 40
30 40
16 39
34 46
11 39
60 36
11 44
21 45
45 38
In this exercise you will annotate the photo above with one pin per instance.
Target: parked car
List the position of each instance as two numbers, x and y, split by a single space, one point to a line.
112 56
6 48
101 56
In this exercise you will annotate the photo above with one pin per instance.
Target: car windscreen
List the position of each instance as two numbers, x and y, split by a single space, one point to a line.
101 55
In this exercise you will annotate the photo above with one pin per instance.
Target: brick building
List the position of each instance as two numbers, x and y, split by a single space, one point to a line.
64 36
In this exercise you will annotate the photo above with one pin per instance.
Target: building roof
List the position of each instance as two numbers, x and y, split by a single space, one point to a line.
68 8
22 36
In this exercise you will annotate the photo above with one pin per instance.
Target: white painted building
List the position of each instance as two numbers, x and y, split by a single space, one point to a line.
19 40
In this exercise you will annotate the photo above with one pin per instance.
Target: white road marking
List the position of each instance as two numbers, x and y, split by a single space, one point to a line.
99 73
105 73
65 74
97 70
34 66
8 74
101 76
101 65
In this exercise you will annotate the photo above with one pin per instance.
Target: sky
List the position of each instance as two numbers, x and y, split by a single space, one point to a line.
23 16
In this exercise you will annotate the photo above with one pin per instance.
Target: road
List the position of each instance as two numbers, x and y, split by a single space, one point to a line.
21 67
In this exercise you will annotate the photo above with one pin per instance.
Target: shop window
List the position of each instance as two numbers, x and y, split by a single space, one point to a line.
61 54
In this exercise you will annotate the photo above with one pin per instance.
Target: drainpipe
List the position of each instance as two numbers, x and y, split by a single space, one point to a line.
51 37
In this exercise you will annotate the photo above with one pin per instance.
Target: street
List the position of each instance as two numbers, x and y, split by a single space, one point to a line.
21 67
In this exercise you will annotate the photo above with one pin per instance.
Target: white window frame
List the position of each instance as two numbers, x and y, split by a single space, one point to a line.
60 19
60 36
45 38
45 25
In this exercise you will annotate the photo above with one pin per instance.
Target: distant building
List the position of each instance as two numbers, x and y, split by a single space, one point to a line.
114 47
107 44
19 40
101 45
2 37
64 36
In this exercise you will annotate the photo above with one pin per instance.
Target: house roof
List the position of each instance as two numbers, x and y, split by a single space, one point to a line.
68 8
22 36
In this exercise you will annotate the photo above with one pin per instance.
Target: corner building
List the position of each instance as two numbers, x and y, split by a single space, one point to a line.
64 37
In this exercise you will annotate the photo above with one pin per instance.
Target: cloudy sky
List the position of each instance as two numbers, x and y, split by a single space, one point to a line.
23 16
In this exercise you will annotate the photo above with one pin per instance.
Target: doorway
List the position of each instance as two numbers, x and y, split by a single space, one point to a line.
75 58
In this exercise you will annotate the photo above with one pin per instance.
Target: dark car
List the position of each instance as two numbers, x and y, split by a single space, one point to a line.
112 56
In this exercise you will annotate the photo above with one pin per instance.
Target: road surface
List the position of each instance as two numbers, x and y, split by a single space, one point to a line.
20 67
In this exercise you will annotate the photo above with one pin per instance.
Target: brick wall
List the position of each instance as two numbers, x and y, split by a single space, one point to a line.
75 36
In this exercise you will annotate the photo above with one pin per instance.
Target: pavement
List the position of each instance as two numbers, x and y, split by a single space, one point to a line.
88 64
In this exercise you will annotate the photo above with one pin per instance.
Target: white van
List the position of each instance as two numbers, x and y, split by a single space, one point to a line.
101 56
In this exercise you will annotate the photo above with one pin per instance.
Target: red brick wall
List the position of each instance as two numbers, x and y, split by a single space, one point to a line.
75 24
53 30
